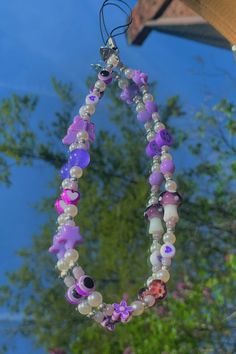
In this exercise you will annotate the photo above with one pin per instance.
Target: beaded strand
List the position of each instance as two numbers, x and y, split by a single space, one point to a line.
81 133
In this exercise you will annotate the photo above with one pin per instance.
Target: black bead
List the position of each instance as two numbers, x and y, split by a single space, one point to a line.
75 294
104 73
88 282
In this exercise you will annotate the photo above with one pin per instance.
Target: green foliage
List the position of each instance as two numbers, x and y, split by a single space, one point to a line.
199 314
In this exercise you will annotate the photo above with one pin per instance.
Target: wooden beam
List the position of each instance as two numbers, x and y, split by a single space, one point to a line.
221 14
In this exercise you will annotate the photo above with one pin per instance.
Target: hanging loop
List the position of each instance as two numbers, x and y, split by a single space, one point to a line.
108 37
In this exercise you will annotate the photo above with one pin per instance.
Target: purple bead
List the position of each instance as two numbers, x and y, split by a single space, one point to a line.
156 178
163 137
144 116
65 171
167 166
139 78
152 149
151 106
79 157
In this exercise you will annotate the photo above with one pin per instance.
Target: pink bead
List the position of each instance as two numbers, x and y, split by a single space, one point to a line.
60 206
70 196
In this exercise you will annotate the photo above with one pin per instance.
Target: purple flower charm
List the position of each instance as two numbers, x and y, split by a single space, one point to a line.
139 78
122 311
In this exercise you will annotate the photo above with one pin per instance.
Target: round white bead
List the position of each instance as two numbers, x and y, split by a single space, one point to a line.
78 272
109 310
128 73
100 85
71 255
170 186
95 299
147 97
71 210
159 126
84 308
155 116
62 265
69 281
76 172
156 246
169 237
140 107
138 308
98 317
162 274
149 300
123 83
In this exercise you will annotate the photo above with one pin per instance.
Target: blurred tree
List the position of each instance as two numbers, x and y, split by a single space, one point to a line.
199 314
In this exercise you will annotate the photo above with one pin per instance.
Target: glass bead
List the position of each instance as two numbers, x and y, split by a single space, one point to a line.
138 308
76 172
100 85
147 97
128 73
169 237
84 308
95 299
78 272
79 157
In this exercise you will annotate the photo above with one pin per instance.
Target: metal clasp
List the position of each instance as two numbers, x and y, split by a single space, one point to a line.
109 49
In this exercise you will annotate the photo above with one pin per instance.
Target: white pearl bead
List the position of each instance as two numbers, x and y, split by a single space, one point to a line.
70 222
128 73
166 261
100 85
149 300
155 116
154 258
95 299
63 265
155 167
62 219
109 310
138 308
76 172
169 237
98 317
82 135
162 274
71 210
84 308
123 83
113 60
159 126
147 97
166 156
170 186
78 272
68 184
156 246
140 107
150 136
69 281
71 255
94 101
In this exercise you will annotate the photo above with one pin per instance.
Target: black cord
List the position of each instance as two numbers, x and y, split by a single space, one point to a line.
102 23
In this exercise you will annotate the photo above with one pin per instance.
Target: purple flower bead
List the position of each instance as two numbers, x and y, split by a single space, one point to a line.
156 178
144 116
163 137
122 311
152 149
151 106
139 78
79 157
167 166
65 171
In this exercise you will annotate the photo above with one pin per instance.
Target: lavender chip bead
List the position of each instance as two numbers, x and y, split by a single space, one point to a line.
65 171
152 149
151 106
156 178
163 137
167 166
79 157
144 116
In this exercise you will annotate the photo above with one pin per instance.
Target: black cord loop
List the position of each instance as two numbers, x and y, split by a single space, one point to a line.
125 8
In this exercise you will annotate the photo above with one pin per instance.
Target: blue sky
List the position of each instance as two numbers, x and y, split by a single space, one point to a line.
61 38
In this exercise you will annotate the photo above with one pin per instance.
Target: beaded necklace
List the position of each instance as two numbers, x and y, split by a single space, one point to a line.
160 207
